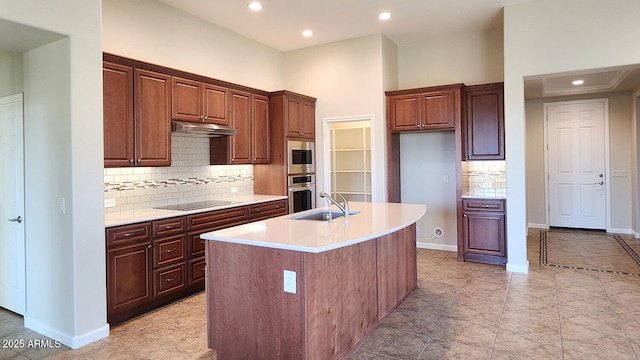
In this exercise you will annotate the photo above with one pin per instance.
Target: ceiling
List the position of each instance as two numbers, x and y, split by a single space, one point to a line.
280 22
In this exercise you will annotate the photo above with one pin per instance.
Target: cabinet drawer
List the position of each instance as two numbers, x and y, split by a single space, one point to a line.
196 244
267 210
128 234
482 205
169 279
218 219
172 226
196 270
168 250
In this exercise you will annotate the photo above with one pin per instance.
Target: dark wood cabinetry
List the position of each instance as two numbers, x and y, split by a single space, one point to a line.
153 263
197 101
424 109
249 115
267 210
484 122
297 113
137 109
484 230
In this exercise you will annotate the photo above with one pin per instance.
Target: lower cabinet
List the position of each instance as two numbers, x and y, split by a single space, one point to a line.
484 229
154 263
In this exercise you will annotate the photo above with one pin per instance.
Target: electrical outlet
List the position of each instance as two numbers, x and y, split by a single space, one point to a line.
290 281
109 203
234 189
62 205
445 179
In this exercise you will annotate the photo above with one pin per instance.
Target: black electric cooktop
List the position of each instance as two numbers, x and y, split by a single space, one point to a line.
197 205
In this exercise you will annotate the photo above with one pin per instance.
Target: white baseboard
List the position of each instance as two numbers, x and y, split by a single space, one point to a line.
524 269
622 231
73 342
432 246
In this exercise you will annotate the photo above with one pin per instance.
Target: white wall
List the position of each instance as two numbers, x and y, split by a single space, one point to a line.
470 58
66 296
426 160
545 37
151 31
347 79
10 73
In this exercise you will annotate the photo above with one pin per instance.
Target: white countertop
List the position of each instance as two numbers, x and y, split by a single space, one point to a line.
480 195
314 236
135 216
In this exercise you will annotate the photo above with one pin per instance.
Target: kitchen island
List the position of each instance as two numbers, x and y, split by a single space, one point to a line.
308 289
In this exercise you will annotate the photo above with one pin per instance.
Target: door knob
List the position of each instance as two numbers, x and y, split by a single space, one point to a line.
18 219
600 182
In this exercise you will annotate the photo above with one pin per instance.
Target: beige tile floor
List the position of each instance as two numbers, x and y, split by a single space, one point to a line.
459 311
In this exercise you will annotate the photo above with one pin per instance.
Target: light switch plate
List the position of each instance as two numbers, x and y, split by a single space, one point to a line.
290 281
109 203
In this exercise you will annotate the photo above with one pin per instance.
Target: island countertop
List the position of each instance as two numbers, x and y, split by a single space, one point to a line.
315 236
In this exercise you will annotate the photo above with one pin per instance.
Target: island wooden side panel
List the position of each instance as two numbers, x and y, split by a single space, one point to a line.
341 297
249 315
397 268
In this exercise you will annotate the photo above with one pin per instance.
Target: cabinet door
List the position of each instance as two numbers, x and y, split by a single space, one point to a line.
117 92
405 112
308 120
484 233
129 277
292 117
215 104
260 130
485 123
241 121
152 95
186 100
438 110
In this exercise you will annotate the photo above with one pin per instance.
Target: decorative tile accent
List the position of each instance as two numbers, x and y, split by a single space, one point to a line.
152 184
484 178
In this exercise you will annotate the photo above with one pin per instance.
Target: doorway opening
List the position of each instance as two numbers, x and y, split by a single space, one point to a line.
577 166
348 157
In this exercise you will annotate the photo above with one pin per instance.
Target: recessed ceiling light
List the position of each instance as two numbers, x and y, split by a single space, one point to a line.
577 82
384 16
255 6
307 33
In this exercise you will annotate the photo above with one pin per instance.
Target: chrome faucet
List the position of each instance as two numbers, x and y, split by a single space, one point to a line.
344 208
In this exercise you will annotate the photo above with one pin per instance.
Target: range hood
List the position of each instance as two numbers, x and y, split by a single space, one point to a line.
201 129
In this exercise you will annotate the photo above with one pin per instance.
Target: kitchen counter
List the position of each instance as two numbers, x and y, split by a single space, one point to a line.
308 289
313 236
134 216
479 195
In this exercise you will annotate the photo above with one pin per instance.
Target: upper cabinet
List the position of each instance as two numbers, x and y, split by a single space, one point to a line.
137 117
484 122
298 114
424 109
249 115
197 101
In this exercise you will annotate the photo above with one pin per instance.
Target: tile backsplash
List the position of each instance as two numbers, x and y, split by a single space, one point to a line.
484 178
190 178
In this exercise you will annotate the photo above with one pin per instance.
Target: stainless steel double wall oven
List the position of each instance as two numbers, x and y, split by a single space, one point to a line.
301 175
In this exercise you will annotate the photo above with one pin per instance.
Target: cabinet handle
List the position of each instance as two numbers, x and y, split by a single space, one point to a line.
128 234
131 161
171 279
149 246
139 161
168 227
206 117
169 251
202 268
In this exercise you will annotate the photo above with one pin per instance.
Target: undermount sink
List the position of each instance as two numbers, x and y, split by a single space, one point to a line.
322 215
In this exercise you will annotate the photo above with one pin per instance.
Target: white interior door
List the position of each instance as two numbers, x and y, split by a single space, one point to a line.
12 240
577 166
